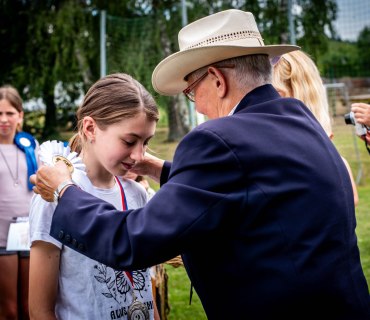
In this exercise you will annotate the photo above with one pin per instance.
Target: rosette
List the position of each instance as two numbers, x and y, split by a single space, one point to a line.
53 151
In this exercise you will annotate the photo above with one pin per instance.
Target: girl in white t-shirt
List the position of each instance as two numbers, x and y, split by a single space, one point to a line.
116 120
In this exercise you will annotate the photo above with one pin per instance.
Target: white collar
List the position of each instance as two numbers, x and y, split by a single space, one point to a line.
233 110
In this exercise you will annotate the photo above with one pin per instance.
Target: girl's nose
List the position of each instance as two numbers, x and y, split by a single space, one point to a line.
3 117
138 152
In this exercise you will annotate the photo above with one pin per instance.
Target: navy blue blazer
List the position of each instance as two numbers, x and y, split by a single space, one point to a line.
259 204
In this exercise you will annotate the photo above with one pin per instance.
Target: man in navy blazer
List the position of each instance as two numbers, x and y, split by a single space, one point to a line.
257 199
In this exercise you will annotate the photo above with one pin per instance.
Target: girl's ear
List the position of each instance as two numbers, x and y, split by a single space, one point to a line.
89 128
20 121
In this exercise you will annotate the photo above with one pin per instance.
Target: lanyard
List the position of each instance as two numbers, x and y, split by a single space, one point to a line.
124 208
123 196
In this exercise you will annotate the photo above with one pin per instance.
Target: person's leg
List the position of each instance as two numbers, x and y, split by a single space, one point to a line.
24 266
8 286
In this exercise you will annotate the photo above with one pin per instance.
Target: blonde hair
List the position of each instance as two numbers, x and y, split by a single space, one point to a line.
109 100
11 94
296 75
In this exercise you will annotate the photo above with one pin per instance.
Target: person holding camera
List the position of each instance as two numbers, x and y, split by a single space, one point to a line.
296 75
361 112
257 200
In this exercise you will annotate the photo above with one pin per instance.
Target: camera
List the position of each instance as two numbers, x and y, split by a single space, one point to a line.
349 118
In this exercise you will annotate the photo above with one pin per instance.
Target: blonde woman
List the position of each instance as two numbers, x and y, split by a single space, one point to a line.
296 75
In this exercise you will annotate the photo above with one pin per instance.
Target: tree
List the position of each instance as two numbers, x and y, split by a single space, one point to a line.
61 38
56 44
339 61
363 51
316 16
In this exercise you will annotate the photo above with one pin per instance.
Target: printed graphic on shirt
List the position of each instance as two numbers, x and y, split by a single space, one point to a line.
118 286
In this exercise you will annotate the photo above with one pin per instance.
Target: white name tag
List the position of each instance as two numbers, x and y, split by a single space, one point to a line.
18 235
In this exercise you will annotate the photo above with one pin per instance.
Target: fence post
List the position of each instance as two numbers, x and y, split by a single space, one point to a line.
103 59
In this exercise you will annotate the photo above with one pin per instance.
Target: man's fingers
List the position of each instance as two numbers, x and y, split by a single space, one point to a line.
35 190
33 179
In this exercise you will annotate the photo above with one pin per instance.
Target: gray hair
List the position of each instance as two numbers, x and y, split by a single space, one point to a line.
250 71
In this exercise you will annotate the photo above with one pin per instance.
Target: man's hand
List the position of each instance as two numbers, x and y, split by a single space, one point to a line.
47 179
150 166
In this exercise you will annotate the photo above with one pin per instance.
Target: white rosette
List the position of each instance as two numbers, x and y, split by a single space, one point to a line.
53 151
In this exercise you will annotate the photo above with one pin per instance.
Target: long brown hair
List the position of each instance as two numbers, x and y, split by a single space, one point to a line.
113 98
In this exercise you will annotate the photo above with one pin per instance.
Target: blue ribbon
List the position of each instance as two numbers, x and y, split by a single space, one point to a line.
27 143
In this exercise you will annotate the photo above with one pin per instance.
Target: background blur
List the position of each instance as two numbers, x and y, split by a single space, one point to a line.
54 50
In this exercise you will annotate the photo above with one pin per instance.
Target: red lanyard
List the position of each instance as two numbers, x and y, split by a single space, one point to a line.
123 196
124 208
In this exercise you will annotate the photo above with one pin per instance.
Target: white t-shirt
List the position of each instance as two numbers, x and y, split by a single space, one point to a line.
87 288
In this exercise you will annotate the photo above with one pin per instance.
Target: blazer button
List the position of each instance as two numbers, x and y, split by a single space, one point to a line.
74 242
61 234
81 247
68 238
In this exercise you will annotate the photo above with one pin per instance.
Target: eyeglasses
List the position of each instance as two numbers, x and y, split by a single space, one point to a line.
189 91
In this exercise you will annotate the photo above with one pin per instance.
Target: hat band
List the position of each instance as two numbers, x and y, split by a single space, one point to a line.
238 35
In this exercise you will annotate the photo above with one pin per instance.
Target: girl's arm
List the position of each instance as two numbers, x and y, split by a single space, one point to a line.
156 313
43 282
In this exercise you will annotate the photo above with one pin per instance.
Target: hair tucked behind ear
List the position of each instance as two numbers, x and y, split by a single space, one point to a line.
297 76
111 99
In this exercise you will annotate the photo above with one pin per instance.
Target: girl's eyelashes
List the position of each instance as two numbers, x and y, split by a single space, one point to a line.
130 144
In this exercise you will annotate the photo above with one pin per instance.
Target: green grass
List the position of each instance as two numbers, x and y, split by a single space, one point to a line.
179 296
363 229
349 146
354 150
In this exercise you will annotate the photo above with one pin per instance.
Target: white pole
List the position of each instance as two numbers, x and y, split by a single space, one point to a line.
103 60
291 22
192 115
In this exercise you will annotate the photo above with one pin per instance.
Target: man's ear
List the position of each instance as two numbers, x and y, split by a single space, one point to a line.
89 128
220 81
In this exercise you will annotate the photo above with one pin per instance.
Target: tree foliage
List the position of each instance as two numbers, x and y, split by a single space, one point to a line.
363 51
57 44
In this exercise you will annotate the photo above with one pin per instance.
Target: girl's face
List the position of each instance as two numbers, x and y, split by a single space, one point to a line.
120 145
10 118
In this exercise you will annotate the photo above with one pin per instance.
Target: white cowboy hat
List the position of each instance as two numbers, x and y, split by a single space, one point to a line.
227 34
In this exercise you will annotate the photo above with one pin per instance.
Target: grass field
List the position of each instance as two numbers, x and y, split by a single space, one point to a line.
350 146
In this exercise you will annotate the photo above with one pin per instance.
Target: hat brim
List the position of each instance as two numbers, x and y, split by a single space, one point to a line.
168 76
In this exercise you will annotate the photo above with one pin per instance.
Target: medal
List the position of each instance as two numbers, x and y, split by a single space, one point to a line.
65 160
52 152
137 311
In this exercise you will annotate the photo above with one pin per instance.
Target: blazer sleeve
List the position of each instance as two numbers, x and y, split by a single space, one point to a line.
199 196
165 172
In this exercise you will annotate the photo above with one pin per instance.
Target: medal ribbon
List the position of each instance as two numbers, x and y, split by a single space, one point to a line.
123 196
124 208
